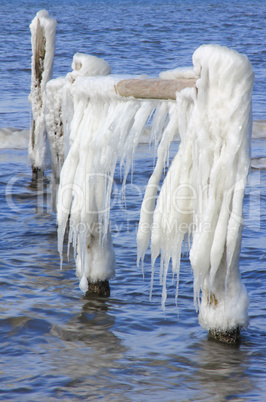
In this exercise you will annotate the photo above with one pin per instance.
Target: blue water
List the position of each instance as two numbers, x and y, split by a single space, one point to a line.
54 343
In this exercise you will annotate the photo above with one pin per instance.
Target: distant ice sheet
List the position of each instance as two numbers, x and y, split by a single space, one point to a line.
259 129
258 163
13 138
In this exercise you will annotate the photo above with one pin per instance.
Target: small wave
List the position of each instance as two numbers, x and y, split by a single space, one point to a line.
13 138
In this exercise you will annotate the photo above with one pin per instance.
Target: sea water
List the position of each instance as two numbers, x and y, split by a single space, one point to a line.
55 344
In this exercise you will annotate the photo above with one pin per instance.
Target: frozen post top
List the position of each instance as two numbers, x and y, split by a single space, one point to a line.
201 197
88 65
43 29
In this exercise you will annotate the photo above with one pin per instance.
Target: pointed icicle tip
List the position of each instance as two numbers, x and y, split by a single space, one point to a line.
83 284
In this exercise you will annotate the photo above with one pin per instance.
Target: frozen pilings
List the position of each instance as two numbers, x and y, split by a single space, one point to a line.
101 121
43 47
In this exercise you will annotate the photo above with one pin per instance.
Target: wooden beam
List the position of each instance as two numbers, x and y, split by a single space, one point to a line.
153 88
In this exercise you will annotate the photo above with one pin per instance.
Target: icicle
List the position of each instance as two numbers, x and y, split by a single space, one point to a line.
55 131
60 102
146 215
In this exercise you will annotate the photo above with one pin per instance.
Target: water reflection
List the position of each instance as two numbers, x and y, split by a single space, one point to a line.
92 325
222 371
86 351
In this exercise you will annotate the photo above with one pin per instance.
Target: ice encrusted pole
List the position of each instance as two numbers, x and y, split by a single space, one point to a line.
224 111
101 126
104 127
43 29
202 195
71 119
60 103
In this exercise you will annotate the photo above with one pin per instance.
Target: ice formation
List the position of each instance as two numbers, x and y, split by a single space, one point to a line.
202 194
90 127
43 29
60 101
104 128
88 65
55 131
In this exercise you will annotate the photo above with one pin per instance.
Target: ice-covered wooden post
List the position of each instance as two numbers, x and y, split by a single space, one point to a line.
43 29
65 114
60 103
76 108
202 194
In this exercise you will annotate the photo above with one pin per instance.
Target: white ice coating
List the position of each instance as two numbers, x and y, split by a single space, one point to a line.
43 29
201 196
98 128
55 131
60 102
88 65
105 127
177 73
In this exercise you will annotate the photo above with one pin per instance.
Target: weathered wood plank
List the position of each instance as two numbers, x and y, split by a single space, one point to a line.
153 88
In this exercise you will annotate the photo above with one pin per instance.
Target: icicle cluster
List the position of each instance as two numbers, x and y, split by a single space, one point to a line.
43 29
105 127
202 194
60 102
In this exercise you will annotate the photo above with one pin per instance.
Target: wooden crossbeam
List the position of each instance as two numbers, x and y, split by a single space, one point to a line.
153 88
